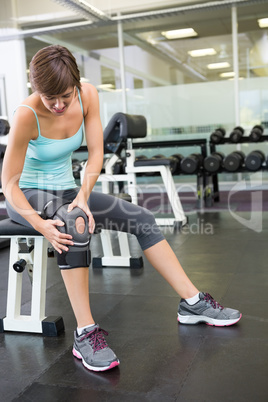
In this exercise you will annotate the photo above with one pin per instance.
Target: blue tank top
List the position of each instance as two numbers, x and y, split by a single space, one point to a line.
48 162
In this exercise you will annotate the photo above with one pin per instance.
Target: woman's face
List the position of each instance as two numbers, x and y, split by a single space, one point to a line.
58 104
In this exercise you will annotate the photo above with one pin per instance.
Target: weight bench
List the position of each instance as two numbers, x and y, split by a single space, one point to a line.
28 251
118 135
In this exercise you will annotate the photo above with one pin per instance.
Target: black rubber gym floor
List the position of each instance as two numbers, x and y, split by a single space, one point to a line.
161 360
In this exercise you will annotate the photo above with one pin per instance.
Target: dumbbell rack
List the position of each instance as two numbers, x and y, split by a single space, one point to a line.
201 177
215 184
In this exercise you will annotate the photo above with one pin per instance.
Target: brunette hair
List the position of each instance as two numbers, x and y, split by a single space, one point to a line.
53 70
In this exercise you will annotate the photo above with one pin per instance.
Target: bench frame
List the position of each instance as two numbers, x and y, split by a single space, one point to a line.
36 259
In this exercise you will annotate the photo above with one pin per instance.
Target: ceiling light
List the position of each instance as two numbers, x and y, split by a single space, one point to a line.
152 41
230 74
179 33
106 87
263 23
202 52
214 66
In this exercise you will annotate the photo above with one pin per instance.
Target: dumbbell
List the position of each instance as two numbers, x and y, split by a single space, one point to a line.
178 158
191 164
256 133
159 156
140 157
213 162
254 160
217 136
234 161
4 127
237 134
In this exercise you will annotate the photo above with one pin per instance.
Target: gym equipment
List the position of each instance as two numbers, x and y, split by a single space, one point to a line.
256 133
178 158
4 127
140 158
139 162
254 160
213 162
159 160
234 161
119 166
192 163
143 160
28 251
237 134
76 167
4 130
217 136
118 136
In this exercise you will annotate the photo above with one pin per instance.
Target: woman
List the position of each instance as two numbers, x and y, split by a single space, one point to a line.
37 171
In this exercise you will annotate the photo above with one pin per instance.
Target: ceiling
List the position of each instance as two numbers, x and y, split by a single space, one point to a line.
82 28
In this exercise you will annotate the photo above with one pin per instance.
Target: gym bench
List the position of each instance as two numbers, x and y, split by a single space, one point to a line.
28 251
118 135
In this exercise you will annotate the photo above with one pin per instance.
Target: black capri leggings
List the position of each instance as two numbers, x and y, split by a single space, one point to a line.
109 212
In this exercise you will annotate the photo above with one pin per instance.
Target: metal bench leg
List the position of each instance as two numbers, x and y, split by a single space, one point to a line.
110 259
36 322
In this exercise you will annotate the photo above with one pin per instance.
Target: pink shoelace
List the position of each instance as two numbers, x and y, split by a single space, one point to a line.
208 298
96 339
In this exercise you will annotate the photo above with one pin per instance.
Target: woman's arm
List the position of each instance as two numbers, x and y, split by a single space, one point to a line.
94 139
24 129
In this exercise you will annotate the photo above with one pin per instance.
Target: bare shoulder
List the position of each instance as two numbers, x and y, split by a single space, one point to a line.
90 97
24 121
89 89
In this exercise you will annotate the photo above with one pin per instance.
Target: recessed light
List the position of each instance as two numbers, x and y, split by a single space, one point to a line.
107 87
229 74
179 33
214 66
202 52
263 23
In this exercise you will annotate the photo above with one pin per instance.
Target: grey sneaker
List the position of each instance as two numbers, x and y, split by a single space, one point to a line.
207 310
91 347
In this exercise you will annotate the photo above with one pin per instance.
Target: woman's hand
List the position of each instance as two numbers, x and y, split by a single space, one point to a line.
58 240
81 203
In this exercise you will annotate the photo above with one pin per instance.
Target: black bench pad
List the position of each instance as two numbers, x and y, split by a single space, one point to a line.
11 228
154 162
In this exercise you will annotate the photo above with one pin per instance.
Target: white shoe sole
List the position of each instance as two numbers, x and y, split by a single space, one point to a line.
94 368
196 319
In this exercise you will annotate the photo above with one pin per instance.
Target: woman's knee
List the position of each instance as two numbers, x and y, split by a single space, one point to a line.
80 225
